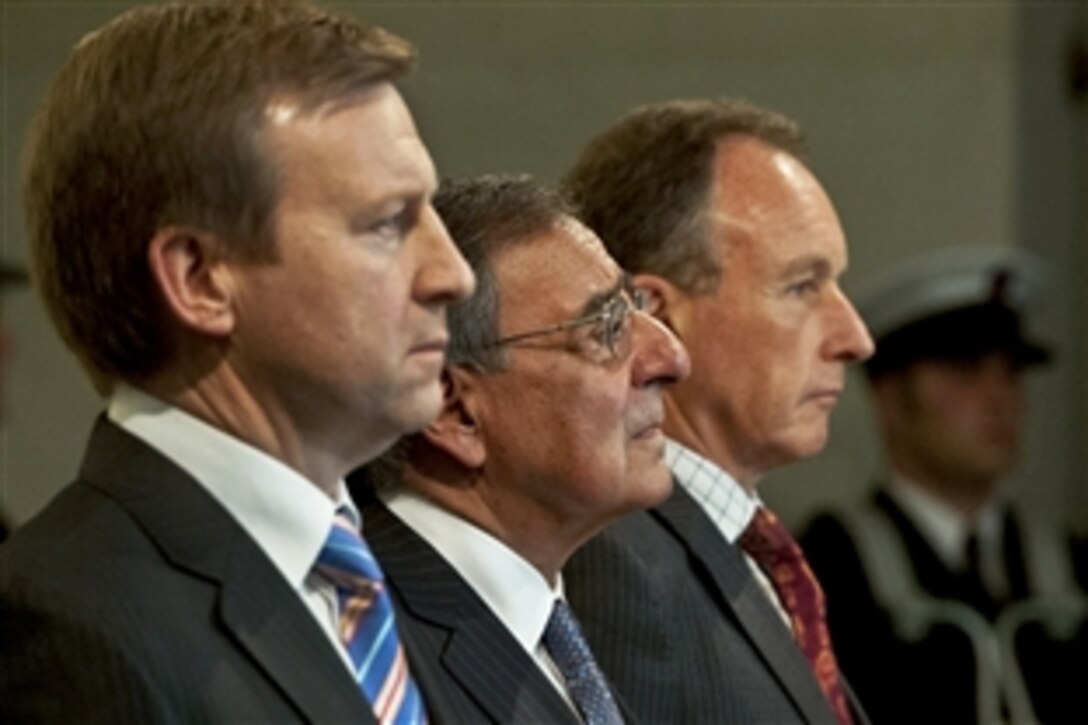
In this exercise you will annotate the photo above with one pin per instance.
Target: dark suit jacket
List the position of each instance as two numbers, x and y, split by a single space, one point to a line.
135 598
682 627
878 659
468 665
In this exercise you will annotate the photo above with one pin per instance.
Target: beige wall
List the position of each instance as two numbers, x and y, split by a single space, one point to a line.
914 112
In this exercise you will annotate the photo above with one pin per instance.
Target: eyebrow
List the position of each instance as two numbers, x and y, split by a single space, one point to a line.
817 265
599 300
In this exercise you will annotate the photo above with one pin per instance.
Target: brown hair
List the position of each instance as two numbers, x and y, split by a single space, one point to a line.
643 184
155 120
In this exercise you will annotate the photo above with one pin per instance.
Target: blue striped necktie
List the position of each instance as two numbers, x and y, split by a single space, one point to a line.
367 629
586 684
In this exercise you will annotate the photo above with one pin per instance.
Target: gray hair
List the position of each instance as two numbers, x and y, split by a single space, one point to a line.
484 215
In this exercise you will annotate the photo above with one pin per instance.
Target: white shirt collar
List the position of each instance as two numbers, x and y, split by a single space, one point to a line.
285 513
943 526
515 591
725 501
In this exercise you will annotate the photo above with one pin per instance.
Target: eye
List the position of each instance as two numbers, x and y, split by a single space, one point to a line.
803 288
611 323
384 233
394 227
386 227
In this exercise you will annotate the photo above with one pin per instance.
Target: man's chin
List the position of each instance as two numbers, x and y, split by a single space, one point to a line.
799 448
654 486
420 408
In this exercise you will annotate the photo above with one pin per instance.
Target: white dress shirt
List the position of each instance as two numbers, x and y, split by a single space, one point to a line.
512 588
726 502
283 512
946 530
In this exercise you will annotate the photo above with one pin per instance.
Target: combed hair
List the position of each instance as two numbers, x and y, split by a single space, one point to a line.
484 215
155 121
643 184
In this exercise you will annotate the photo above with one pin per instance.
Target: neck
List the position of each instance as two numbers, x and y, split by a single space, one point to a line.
537 536
697 432
221 399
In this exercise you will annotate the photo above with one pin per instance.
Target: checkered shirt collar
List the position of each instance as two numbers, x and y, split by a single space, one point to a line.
724 500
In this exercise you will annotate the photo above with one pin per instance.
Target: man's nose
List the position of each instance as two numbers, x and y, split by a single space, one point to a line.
443 275
659 356
848 338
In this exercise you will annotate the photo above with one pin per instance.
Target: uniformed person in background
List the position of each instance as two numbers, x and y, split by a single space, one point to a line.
943 600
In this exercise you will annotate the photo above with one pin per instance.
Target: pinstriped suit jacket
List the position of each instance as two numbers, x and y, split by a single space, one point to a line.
683 629
134 597
468 665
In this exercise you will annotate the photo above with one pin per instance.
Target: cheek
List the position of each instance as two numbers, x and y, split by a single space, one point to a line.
942 415
946 399
593 421
754 344
379 305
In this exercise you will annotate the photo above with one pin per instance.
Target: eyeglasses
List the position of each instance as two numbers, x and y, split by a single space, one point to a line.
610 322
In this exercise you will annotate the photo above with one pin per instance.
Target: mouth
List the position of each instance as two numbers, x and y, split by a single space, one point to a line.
649 428
649 432
432 351
827 397
438 344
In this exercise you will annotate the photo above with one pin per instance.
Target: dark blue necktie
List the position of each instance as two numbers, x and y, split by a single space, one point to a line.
586 684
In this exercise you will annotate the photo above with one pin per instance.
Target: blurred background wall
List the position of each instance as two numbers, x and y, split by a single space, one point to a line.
931 124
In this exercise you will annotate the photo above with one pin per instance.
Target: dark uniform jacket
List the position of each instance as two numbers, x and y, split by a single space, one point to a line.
908 624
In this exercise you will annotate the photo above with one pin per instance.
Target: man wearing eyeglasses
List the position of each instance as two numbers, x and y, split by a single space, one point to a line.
712 208
551 428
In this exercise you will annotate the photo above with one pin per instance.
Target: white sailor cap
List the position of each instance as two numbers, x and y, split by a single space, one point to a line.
958 302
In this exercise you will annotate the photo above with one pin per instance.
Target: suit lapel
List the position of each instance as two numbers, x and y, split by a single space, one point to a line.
473 648
504 680
727 574
857 712
257 606
287 644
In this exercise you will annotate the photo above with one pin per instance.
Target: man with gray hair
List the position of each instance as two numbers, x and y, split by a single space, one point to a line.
230 225
550 429
703 609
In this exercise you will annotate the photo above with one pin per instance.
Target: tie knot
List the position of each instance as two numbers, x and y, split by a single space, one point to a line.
769 542
565 642
345 558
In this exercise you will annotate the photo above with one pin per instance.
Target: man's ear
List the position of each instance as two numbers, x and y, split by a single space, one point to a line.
456 430
663 299
189 271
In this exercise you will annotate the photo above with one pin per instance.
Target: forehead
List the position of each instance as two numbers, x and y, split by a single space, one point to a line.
550 277
367 149
771 207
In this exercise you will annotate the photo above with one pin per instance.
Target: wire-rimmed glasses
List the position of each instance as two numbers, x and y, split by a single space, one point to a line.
610 322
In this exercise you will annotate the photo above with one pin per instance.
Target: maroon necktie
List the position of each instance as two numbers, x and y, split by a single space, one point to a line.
768 542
